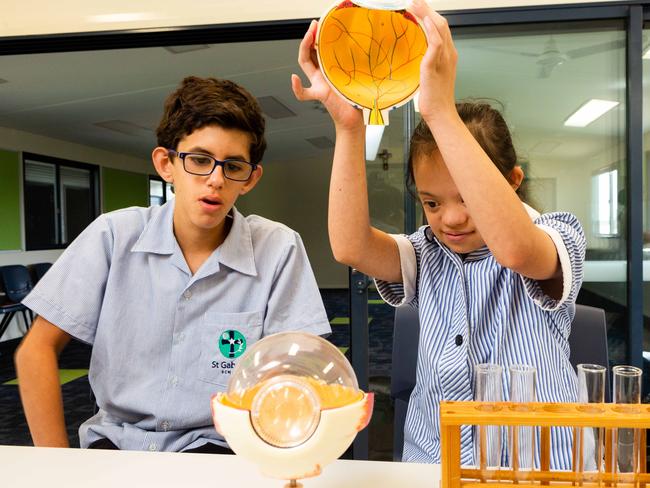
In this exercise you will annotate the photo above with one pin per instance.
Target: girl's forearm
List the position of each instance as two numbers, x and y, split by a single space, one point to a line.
354 241
348 215
495 208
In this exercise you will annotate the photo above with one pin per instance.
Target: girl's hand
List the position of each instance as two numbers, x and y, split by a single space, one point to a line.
438 67
345 116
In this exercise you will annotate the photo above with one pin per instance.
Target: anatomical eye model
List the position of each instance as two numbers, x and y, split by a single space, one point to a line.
293 405
371 56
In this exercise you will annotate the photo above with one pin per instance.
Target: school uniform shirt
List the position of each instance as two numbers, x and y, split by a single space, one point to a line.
472 310
164 340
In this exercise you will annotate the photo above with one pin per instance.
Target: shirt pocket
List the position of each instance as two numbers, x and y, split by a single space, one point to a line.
224 339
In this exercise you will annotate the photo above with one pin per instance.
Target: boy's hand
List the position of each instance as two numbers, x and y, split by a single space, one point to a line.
438 68
345 116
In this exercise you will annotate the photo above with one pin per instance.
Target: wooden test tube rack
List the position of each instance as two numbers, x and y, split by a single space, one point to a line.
608 416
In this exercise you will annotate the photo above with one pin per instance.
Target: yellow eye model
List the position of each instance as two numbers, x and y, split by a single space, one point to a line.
293 405
370 52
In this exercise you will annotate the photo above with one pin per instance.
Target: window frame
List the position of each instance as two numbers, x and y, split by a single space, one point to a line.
93 169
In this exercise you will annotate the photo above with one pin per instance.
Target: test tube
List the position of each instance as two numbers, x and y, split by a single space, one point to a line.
626 442
589 441
521 439
488 387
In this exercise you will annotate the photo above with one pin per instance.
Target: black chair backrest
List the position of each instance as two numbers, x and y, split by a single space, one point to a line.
588 340
38 270
16 281
406 334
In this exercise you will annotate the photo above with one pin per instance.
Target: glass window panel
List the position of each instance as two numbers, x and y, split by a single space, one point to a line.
156 195
76 202
539 75
59 203
169 191
385 174
646 198
41 223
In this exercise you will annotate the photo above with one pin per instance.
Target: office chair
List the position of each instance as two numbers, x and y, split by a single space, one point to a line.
587 341
406 333
37 270
17 284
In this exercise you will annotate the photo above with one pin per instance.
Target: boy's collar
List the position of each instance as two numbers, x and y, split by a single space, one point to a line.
236 251
158 234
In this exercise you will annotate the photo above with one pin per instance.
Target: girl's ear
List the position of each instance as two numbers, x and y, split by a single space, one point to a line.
515 177
163 164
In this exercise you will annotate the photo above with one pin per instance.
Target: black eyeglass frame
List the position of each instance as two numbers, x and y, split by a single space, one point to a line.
216 162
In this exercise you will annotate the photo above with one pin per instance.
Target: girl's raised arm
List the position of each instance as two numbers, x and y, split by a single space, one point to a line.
354 241
496 210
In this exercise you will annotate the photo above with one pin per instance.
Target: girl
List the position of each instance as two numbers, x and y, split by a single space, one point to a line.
494 280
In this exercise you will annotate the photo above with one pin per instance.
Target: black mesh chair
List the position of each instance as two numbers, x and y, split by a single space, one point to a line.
406 333
17 284
588 343
588 340
37 270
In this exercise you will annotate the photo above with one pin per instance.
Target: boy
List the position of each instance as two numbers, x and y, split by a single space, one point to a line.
171 296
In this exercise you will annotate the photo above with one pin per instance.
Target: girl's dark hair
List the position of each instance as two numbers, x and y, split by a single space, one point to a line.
200 102
489 129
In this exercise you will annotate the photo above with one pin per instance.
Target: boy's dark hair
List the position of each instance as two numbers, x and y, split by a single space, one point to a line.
489 129
200 102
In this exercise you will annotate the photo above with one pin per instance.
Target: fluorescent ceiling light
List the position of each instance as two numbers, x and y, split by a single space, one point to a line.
373 139
589 112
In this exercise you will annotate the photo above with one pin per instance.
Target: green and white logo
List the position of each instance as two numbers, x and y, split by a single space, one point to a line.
232 344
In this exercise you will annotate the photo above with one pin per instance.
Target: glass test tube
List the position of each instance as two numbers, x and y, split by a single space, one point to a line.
626 442
488 387
589 441
521 439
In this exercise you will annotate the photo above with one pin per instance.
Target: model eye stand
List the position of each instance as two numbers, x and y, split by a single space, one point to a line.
370 52
615 424
293 405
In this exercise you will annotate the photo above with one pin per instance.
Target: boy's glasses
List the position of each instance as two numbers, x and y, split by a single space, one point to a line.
204 164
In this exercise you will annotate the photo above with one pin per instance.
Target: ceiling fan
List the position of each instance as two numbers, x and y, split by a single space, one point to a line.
551 56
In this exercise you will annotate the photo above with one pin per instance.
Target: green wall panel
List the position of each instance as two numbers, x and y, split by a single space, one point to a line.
9 200
122 189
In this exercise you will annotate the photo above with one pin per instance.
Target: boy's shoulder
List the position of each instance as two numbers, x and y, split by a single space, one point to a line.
131 216
266 231
126 226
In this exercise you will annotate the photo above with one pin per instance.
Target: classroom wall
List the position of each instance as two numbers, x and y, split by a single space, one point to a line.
295 193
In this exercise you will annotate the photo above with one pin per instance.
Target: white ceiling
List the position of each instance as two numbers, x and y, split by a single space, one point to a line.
64 95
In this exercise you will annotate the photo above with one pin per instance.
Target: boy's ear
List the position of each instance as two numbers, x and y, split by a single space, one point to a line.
252 181
163 163
516 177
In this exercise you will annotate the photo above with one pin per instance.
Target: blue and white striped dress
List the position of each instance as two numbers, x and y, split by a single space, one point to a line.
502 317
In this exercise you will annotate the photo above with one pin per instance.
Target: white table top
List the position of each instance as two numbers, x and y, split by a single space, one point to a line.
93 468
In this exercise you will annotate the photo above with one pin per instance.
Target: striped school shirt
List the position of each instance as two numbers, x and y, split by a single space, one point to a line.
473 310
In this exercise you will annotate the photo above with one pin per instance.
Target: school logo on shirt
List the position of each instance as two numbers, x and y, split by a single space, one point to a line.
232 344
